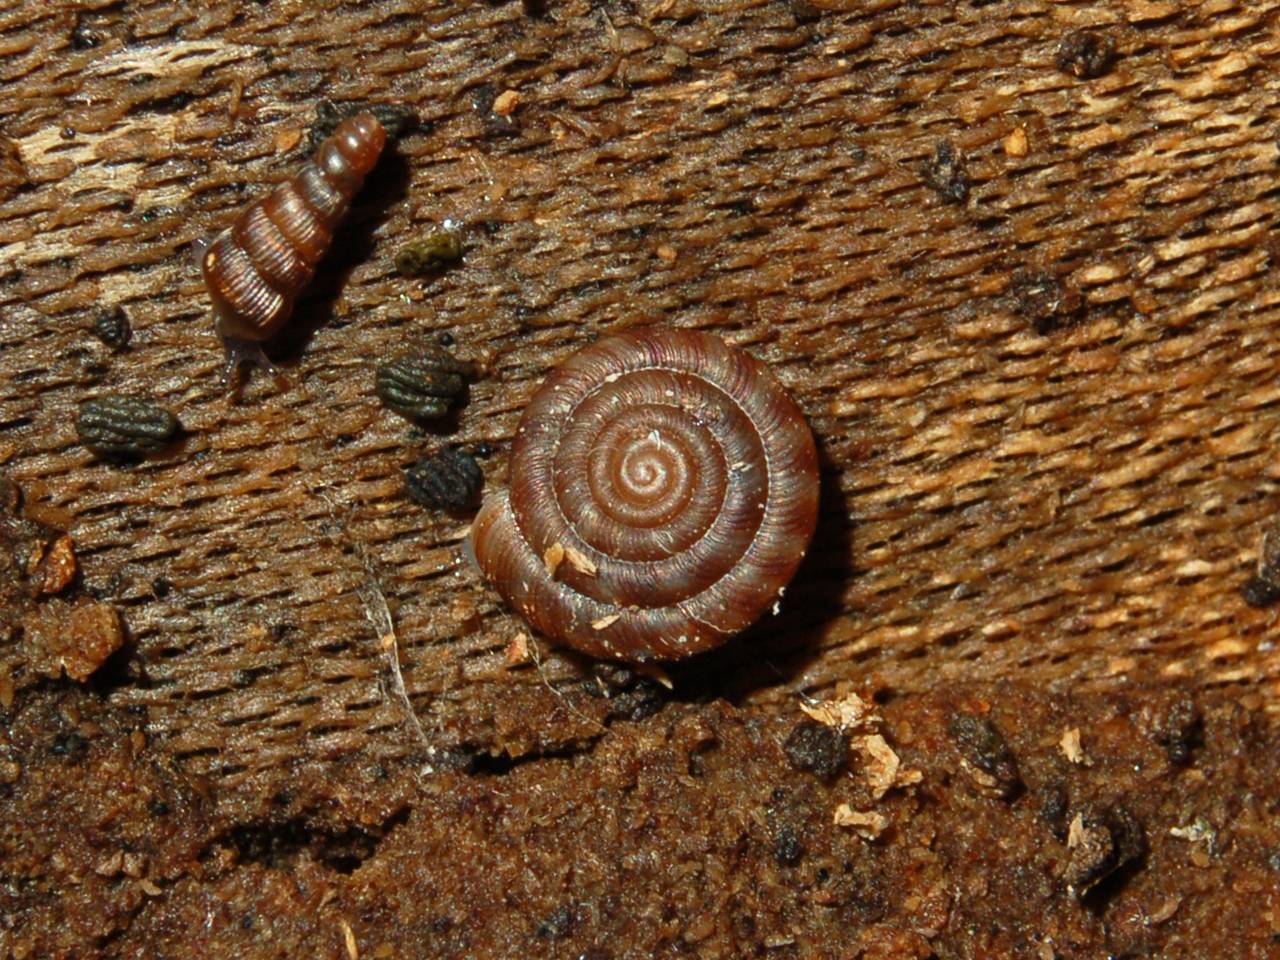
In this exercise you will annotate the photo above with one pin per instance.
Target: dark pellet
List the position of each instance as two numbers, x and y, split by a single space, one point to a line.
124 426
395 119
111 326
1260 592
1179 729
431 253
946 174
787 848
1086 54
423 385
982 745
817 748
1106 840
450 480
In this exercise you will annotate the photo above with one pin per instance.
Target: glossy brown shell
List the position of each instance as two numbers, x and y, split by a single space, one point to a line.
255 269
663 491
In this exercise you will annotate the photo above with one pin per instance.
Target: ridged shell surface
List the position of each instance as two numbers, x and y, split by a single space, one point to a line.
256 269
663 489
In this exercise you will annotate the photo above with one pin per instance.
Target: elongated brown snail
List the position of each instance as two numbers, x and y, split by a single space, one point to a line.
255 269
663 491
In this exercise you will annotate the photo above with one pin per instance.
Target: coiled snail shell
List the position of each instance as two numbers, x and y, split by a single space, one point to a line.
663 491
256 269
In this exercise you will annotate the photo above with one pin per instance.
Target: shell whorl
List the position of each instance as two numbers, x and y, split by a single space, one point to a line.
663 491
255 270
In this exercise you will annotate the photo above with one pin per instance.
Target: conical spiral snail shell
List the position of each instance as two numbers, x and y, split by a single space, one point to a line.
663 491
255 269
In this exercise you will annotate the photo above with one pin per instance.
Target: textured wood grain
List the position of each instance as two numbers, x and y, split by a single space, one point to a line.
1074 507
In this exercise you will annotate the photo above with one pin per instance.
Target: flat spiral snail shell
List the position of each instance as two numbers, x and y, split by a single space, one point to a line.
255 269
663 491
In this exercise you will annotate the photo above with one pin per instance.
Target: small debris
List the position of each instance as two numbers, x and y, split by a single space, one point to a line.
10 770
149 888
1263 589
110 866
1039 297
287 138
787 848
1016 144
133 864
880 764
1086 54
817 747
349 938
847 713
666 253
505 103
805 12
1101 842
559 925
552 557
865 823
1071 749
1197 831
111 326
449 480
124 426
1179 729
517 651
429 254
1259 593
945 173
580 561
1168 907
422 385
57 567
631 695
13 174
76 638
984 754
606 621
1052 808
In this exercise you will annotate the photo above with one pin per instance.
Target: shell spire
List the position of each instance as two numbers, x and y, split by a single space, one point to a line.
256 269
664 489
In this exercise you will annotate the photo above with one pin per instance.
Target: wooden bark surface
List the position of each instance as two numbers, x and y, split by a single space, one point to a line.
1071 508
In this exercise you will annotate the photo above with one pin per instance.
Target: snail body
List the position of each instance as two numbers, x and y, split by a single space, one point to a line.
255 269
663 491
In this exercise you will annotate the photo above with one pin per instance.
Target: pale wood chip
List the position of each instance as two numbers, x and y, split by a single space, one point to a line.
349 938
865 823
580 561
505 103
879 763
1071 749
1016 145
847 713
552 557
1075 832
605 621
287 139
517 651
111 865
